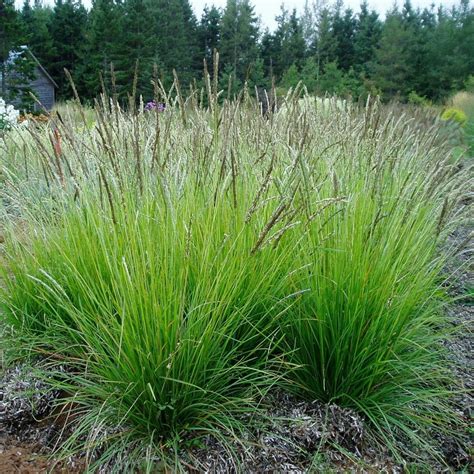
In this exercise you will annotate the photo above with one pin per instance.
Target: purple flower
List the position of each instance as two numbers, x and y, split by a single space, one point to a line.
152 105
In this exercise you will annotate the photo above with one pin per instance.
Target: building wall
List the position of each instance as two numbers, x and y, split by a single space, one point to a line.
43 89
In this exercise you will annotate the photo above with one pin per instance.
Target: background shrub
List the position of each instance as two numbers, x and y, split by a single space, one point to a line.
456 115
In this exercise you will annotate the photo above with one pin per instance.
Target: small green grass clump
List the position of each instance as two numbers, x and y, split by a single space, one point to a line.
362 336
183 262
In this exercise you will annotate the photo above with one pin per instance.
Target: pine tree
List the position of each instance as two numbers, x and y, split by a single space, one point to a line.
268 53
9 23
344 24
135 54
239 36
466 41
416 55
331 80
368 30
192 53
289 45
290 78
428 86
210 32
36 22
103 39
257 78
393 70
67 32
16 67
174 38
425 52
26 17
324 46
453 46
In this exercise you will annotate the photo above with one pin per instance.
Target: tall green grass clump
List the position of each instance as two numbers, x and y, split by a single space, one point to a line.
363 335
163 283
366 333
165 309
183 262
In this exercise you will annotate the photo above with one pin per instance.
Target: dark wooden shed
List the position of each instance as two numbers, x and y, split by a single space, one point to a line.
43 85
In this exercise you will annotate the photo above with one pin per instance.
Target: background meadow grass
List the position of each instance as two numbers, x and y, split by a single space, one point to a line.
183 263
465 101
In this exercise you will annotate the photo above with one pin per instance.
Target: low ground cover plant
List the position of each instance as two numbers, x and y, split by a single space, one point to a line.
183 261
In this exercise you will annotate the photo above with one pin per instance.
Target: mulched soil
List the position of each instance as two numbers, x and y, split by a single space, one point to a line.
29 426
30 429
461 347
30 458
296 435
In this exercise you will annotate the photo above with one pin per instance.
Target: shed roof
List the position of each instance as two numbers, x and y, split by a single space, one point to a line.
43 70
14 54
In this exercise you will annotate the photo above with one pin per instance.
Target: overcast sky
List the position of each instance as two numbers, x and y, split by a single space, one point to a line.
268 9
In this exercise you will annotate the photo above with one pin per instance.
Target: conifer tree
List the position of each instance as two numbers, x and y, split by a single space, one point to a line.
175 37
135 54
344 24
67 31
103 40
268 52
324 46
9 25
290 47
209 32
393 71
368 30
239 36
36 21
428 52
16 67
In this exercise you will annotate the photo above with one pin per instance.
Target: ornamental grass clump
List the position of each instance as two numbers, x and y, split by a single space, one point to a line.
166 309
160 284
363 335
183 263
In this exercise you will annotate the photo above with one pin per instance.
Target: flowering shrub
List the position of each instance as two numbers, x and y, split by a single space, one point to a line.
8 115
455 115
152 105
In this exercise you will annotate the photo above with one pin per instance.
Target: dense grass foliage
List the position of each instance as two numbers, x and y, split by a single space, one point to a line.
183 262
167 306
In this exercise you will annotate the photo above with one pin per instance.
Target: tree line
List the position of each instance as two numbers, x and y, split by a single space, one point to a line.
409 53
